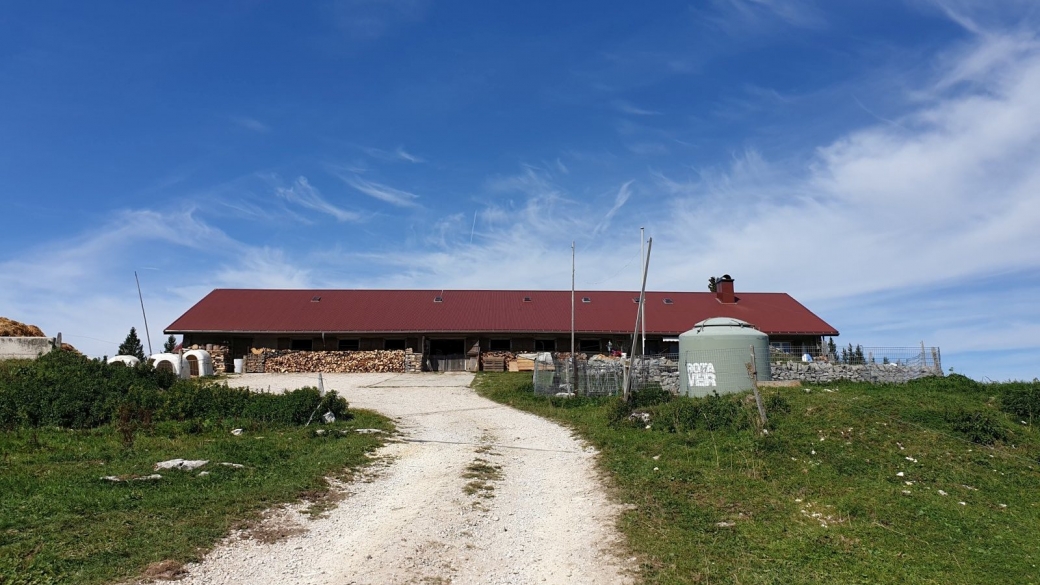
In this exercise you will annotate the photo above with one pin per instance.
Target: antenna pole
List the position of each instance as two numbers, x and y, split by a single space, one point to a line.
635 332
141 298
642 309
574 360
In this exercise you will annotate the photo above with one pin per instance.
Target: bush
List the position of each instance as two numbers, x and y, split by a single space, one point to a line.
652 395
680 415
775 404
67 390
978 426
1021 399
617 411
192 399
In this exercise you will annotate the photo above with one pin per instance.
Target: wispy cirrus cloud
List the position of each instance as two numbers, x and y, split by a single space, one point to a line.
619 200
302 193
737 15
384 193
251 124
397 155
628 108
368 20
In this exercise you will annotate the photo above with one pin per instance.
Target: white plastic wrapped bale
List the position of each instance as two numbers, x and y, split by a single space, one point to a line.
127 360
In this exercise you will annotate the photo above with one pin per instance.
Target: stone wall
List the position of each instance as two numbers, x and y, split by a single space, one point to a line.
823 372
658 370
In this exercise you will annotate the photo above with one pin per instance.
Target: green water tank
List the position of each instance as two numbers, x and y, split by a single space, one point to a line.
713 357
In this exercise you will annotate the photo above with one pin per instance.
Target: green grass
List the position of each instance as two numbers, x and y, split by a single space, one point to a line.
819 500
60 523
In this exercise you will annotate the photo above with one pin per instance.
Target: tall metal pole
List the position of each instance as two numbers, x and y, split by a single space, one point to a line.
141 298
642 309
635 332
574 361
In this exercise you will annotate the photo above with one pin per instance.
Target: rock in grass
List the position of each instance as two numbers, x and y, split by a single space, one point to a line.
182 464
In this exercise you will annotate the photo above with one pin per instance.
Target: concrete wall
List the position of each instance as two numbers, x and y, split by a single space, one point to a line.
24 347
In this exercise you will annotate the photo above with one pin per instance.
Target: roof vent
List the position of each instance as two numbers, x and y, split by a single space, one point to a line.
438 299
527 299
669 301
586 300
315 299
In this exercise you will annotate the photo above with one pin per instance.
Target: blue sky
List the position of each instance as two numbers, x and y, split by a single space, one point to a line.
878 160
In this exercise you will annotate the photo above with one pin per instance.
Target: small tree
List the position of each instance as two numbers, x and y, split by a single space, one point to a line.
832 349
170 345
713 284
132 345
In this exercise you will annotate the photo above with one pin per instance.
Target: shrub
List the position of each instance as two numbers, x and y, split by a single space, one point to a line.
775 403
680 415
978 426
67 390
1021 399
617 411
652 395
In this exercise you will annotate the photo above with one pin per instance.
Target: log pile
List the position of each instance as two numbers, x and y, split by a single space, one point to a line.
338 362
219 357
495 361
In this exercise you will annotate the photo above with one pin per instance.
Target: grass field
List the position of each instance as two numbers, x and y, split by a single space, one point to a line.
853 484
61 523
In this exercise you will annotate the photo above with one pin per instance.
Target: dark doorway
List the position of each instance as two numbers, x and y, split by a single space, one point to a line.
447 355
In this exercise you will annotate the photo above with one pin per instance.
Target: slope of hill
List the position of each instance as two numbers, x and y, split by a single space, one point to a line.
935 481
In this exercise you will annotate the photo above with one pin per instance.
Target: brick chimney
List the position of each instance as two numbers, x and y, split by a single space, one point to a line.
724 290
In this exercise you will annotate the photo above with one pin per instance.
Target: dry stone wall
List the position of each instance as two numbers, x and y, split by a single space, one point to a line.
823 372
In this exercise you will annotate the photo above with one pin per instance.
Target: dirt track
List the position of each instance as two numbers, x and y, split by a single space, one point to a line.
412 520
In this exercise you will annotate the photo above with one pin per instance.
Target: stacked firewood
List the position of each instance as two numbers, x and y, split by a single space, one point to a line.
376 361
495 361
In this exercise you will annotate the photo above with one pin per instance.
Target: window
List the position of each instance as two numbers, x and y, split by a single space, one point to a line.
545 345
635 300
349 344
304 344
315 299
669 302
588 345
438 299
499 345
784 346
527 299
393 344
586 300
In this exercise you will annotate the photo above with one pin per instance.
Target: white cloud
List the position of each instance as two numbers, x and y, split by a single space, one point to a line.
408 157
303 194
368 20
743 13
619 200
251 124
628 108
383 193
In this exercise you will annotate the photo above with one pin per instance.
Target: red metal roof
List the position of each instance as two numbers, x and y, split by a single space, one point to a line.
475 311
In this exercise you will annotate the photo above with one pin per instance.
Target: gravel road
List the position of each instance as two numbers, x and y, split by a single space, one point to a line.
532 511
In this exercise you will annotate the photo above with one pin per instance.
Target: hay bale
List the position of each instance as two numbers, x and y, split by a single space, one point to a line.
12 328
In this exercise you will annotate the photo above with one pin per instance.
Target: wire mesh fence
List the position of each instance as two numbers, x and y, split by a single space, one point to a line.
598 376
701 372
920 357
